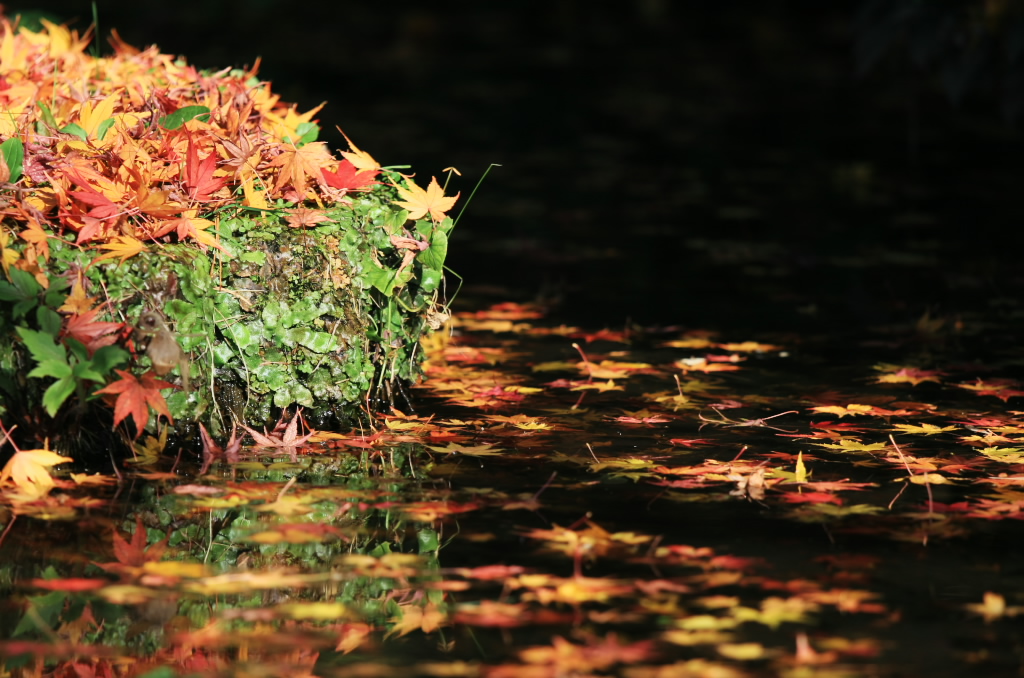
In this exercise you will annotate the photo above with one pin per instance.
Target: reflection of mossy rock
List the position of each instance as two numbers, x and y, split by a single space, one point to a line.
323 317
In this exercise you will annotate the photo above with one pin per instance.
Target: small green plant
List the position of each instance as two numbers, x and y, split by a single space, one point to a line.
34 335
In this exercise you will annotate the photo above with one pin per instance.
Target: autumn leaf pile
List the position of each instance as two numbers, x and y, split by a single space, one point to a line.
141 148
127 157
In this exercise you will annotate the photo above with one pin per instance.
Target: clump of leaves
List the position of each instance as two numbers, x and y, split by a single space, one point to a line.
137 185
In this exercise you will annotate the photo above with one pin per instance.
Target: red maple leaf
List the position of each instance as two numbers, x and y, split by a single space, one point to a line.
288 442
134 553
688 442
101 206
349 178
94 334
199 175
133 396
810 498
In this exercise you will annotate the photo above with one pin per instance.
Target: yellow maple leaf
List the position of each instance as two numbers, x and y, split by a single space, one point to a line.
926 429
688 342
749 347
91 114
77 301
188 225
27 470
7 256
800 476
253 196
600 386
851 445
930 479
419 202
361 159
123 247
852 408
470 451
412 618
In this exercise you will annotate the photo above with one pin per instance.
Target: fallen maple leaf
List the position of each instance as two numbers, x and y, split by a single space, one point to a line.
135 553
297 164
198 176
420 202
135 396
926 429
302 217
361 159
94 334
471 451
349 177
77 301
852 445
122 247
412 618
910 375
841 411
288 442
27 470
749 347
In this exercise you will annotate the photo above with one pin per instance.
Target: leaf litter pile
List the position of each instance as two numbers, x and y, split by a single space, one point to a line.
645 502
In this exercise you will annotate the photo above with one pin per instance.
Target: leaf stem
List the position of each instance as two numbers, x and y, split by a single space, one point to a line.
473 192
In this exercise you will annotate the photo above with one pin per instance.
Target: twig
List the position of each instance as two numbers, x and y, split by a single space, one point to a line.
733 423
7 529
927 485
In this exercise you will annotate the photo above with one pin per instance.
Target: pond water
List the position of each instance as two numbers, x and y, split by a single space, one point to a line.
642 501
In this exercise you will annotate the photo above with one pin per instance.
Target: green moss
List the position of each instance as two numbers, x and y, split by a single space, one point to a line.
327 318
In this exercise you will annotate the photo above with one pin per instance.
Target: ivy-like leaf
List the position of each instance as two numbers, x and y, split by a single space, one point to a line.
42 346
183 115
13 153
57 393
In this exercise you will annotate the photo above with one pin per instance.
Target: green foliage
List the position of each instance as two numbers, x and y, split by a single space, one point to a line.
57 366
183 115
13 153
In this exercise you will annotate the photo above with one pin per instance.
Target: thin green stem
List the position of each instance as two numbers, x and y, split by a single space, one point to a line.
473 192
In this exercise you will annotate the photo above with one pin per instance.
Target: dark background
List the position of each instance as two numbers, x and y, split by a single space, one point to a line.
663 161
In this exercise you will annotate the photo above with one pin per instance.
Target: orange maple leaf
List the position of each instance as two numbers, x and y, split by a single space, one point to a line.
133 396
188 225
77 301
419 202
297 164
34 233
27 470
135 553
414 618
301 217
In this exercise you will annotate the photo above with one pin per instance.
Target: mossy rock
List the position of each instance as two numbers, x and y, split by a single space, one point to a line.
149 204
311 318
